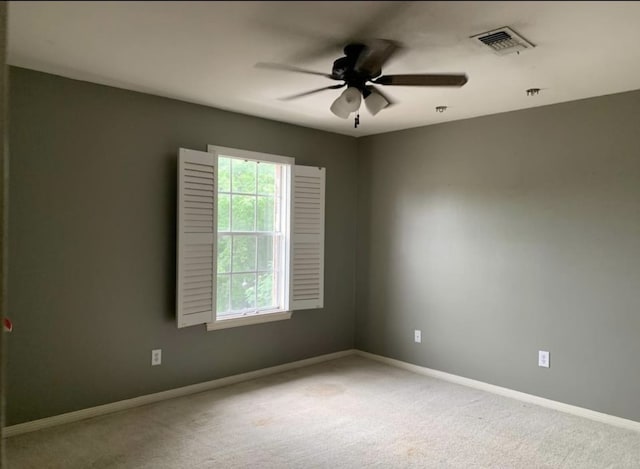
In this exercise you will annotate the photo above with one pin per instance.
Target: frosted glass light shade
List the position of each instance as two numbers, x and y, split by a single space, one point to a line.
352 98
339 108
375 103
348 102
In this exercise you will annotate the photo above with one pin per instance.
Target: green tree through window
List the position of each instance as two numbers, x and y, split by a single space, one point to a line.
249 235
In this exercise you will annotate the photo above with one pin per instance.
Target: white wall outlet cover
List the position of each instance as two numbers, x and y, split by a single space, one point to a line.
417 336
156 357
543 358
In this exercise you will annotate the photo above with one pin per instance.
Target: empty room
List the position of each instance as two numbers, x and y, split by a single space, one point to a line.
320 235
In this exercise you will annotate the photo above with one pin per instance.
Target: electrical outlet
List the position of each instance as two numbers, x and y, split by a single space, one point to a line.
417 336
543 359
156 357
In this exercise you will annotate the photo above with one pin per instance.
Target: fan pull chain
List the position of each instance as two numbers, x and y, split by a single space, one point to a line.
357 121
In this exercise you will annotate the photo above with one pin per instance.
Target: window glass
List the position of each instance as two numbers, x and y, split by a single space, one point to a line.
251 241
224 254
243 176
224 212
224 175
244 254
265 214
243 212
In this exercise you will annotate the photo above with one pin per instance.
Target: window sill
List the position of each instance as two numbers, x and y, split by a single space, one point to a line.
248 321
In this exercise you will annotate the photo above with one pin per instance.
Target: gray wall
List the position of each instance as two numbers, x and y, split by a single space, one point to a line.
504 235
92 246
496 236
3 208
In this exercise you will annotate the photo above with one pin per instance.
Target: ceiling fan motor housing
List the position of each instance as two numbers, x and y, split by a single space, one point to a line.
344 68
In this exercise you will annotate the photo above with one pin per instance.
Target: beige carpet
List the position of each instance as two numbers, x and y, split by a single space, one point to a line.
347 413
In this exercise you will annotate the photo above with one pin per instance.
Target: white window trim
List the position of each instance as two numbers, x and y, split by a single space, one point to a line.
258 317
248 320
251 155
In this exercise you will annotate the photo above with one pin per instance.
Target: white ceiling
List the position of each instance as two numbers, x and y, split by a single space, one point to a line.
204 52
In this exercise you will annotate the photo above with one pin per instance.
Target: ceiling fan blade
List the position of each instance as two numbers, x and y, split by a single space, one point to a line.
330 48
375 54
307 93
422 80
383 20
290 68
386 17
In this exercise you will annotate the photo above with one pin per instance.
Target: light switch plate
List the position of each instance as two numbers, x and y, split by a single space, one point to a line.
156 357
543 358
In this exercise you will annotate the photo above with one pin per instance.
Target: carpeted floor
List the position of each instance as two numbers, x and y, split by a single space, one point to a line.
347 413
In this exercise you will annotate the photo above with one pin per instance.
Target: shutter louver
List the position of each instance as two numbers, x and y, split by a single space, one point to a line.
307 247
196 240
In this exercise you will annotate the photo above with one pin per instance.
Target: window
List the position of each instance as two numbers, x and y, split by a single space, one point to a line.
253 234
250 238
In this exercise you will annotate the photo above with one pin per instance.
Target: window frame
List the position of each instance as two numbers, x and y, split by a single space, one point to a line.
256 317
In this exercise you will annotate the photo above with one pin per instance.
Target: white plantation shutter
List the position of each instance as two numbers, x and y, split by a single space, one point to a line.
196 276
307 238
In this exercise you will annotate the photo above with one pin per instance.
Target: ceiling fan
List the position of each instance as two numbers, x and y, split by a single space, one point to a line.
360 70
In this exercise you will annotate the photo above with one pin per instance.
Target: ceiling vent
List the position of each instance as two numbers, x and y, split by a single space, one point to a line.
502 41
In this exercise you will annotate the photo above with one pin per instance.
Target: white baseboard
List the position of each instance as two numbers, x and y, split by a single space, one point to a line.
218 383
520 396
83 414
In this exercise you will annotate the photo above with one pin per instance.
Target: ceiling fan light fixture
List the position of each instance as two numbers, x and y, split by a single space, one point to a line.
375 103
339 108
348 102
352 98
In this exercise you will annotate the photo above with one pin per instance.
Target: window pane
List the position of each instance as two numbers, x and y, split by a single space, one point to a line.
265 252
266 292
224 254
249 201
223 212
266 214
243 176
222 297
243 292
224 174
243 213
244 253
266 178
